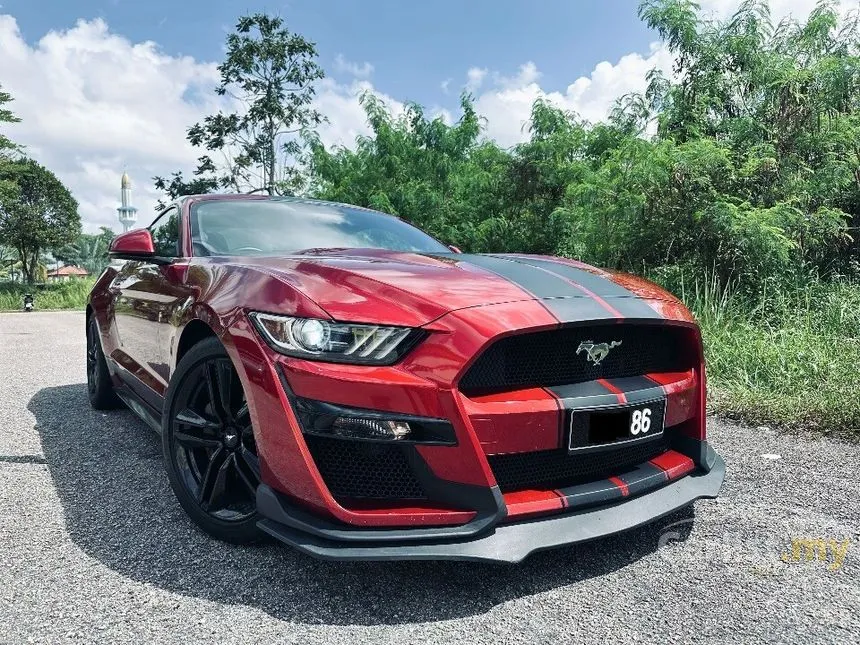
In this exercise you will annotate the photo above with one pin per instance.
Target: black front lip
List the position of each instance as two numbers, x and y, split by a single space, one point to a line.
509 543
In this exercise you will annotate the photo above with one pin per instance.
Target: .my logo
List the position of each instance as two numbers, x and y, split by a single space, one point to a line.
809 548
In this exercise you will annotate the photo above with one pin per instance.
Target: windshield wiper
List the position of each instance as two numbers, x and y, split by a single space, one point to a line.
317 250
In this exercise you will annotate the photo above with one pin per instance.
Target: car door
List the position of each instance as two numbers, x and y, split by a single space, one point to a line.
144 294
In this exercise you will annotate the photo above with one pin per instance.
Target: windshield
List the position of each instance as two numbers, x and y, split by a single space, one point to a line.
286 226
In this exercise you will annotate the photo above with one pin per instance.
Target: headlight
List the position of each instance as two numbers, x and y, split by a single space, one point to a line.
324 340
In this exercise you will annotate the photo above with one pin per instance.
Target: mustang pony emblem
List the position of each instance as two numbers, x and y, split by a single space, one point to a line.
596 352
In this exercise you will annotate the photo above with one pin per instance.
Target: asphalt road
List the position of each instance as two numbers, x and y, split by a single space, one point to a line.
94 547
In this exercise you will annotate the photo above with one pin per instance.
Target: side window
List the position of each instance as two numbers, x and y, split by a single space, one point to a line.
165 234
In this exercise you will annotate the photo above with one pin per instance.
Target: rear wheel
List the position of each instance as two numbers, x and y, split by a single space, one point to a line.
99 385
208 443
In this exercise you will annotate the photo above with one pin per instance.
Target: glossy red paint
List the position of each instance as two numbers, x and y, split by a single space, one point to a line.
144 312
528 503
674 464
620 483
620 395
137 242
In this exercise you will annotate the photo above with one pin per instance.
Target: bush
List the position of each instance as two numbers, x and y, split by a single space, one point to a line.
790 358
58 295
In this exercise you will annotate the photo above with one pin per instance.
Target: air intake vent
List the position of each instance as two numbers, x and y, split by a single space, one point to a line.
549 358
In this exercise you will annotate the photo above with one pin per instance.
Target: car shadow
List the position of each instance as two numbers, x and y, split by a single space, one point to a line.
119 509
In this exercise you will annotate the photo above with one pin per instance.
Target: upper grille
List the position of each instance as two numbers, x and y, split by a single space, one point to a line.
557 469
361 470
549 358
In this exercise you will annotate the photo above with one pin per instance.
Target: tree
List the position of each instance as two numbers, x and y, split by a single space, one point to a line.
6 116
39 213
89 252
412 166
269 75
177 186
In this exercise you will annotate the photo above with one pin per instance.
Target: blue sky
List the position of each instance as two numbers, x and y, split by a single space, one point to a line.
104 86
413 46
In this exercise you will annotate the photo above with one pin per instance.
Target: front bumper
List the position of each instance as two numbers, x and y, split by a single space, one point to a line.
484 539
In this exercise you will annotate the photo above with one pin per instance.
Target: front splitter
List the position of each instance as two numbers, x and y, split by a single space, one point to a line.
513 542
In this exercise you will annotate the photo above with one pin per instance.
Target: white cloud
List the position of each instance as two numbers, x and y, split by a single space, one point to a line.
507 105
93 104
474 78
347 120
362 70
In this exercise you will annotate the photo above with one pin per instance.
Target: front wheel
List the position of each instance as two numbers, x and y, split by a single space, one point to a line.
208 444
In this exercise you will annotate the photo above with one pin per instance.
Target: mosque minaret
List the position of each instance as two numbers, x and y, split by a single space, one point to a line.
126 213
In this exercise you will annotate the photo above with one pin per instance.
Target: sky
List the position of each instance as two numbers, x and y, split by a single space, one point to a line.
104 86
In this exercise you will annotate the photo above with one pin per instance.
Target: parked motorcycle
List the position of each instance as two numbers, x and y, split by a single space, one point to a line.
28 302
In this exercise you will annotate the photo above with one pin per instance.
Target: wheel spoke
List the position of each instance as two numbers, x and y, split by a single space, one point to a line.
225 383
219 381
243 416
193 439
189 417
213 387
214 482
248 468
198 432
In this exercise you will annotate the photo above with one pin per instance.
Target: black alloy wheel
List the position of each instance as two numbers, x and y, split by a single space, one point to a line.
99 386
209 447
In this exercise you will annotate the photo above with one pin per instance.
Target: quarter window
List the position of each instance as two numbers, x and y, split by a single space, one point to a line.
165 234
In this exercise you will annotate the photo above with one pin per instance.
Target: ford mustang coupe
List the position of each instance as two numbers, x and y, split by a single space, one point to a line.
336 378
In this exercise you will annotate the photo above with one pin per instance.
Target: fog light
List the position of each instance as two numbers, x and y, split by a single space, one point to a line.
358 428
360 424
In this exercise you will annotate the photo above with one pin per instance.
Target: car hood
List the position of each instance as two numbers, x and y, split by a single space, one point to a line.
413 289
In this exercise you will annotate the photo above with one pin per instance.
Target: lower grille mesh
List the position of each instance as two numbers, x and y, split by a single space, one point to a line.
557 469
362 470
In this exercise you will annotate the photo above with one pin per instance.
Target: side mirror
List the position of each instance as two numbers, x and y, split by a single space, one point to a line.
455 249
133 245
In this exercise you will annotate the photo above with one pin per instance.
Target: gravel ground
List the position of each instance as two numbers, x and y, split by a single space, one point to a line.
94 548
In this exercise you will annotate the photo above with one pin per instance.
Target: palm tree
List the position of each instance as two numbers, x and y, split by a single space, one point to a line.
89 252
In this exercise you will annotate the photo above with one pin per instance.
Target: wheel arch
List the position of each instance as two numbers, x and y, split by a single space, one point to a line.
195 331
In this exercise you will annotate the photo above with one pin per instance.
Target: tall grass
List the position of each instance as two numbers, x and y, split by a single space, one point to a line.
59 295
790 356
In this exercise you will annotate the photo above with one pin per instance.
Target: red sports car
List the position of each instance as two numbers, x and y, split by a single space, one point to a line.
336 378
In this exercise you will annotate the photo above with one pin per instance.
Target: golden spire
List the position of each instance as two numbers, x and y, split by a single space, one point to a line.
126 182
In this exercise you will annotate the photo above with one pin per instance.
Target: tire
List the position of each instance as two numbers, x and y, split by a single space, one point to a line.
99 384
209 447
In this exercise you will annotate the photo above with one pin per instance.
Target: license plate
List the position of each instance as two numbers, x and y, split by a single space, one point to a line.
606 427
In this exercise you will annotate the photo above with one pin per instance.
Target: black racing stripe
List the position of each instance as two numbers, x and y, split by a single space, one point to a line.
564 300
644 477
633 307
539 283
603 287
627 303
637 389
591 390
575 309
590 494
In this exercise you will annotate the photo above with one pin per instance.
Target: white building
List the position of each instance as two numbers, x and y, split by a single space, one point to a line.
126 213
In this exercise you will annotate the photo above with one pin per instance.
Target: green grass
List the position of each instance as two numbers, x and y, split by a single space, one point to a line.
790 358
60 295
